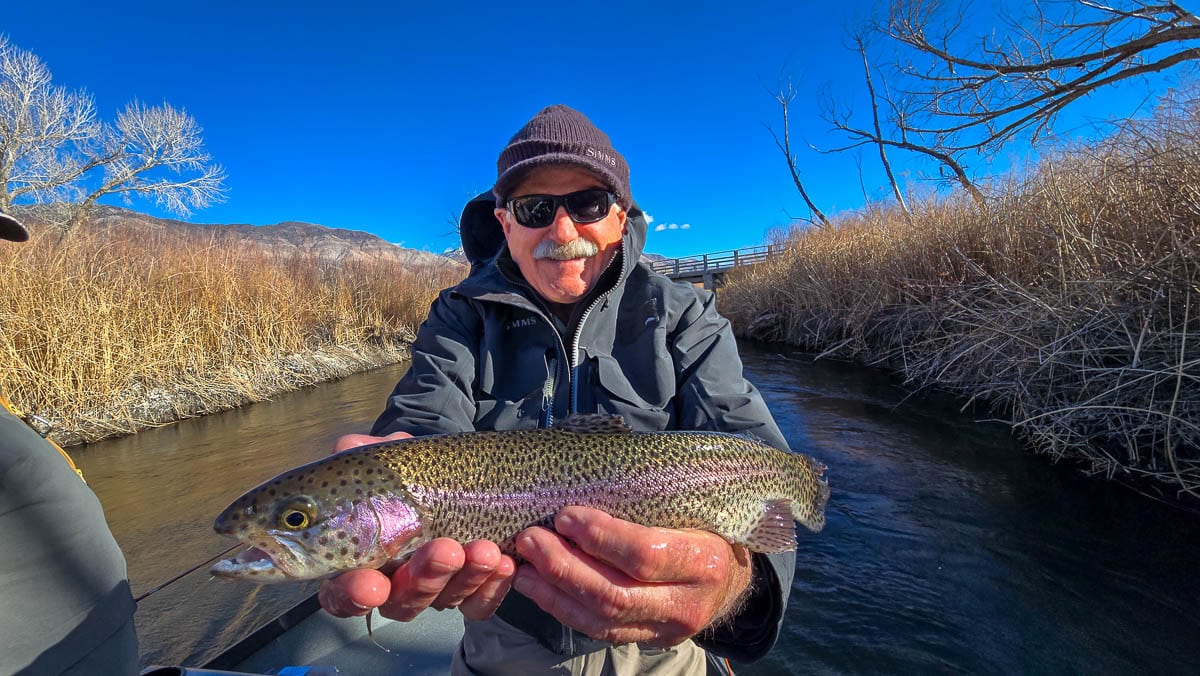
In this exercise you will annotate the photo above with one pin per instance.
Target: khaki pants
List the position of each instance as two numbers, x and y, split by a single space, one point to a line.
493 647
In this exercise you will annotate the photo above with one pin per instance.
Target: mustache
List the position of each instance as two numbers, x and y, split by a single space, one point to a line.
576 248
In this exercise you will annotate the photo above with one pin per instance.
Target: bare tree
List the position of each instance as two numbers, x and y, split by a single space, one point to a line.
950 95
785 97
52 148
39 126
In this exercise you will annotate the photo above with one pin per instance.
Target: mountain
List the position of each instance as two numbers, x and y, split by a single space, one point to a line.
291 237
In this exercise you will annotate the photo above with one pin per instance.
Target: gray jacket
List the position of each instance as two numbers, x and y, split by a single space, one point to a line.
490 356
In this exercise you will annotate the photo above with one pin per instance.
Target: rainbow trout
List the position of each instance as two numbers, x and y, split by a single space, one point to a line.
368 506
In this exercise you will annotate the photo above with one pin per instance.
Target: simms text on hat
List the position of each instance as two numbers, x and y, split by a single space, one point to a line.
561 135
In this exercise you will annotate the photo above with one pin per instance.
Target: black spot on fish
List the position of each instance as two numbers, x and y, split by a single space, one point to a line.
354 540
343 551
271 491
333 491
343 482
324 484
323 540
341 535
370 470
328 556
235 516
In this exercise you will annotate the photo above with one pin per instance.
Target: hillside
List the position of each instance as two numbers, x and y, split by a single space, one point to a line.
291 237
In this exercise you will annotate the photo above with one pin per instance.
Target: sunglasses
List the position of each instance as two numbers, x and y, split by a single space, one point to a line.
584 206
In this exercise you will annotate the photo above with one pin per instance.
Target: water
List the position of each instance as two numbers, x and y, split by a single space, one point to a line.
948 549
161 490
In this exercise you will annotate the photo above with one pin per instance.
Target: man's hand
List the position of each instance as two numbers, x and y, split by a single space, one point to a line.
623 583
441 574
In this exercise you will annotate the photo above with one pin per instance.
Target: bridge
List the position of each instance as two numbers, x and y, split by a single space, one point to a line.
710 268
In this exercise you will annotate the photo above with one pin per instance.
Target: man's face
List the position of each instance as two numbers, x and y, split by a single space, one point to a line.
561 281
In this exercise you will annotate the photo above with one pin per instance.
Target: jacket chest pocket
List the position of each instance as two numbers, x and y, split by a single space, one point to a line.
641 392
510 385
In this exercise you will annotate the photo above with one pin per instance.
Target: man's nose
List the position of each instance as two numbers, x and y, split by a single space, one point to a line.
562 228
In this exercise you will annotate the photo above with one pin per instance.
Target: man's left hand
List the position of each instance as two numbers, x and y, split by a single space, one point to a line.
621 582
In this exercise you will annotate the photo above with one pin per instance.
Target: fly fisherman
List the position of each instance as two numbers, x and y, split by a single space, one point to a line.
65 604
558 317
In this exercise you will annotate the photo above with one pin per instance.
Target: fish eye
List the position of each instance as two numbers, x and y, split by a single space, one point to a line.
297 514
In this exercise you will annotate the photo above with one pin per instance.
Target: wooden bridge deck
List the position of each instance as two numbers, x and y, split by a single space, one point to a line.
710 268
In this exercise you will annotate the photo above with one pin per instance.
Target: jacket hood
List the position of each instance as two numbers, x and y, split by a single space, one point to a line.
482 237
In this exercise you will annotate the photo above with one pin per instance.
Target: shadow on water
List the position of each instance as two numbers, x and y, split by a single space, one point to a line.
948 548
161 490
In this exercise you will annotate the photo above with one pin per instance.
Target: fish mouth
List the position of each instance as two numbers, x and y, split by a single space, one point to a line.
260 564
252 561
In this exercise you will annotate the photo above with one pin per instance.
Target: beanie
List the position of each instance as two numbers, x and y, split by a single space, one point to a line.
561 135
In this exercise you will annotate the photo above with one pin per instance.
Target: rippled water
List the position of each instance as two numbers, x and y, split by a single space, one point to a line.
948 549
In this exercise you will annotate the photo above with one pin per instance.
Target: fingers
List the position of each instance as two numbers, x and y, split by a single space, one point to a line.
444 574
584 593
483 601
417 584
645 554
354 592
349 441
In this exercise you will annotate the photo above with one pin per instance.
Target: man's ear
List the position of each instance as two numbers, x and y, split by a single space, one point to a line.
501 215
623 216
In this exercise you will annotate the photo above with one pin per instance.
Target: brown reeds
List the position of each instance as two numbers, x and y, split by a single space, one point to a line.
1070 302
108 331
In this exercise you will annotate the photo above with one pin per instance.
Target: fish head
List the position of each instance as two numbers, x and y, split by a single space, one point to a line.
318 520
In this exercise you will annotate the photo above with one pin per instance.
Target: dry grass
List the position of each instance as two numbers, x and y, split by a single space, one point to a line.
107 332
1071 302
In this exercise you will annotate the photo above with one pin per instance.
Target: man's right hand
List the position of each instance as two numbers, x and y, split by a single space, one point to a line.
440 574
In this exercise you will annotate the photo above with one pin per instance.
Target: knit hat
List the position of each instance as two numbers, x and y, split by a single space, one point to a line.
561 135
11 229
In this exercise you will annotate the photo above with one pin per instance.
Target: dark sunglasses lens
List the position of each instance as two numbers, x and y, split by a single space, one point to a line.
587 206
534 212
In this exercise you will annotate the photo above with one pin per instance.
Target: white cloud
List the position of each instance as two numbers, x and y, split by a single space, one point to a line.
672 226
649 218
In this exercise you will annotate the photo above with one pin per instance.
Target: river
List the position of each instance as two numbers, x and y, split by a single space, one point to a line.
948 549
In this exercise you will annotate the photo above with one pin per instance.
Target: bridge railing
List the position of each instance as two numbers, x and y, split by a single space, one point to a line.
717 261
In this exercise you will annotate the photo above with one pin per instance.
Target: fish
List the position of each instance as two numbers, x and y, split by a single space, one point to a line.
374 505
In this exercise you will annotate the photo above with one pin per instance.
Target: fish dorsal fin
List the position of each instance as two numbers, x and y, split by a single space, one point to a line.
594 423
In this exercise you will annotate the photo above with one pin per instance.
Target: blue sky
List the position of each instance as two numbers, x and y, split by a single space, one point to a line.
387 117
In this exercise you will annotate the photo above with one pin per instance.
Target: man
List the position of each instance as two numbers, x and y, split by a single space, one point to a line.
65 604
558 317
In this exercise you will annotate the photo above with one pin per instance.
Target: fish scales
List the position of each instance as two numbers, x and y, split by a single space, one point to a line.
366 506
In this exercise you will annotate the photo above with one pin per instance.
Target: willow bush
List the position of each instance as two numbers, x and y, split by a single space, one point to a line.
108 331
1070 302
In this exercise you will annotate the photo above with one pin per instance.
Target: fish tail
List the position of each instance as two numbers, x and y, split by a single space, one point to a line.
810 491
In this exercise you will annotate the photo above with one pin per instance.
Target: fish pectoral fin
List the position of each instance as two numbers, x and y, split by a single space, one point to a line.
775 530
594 423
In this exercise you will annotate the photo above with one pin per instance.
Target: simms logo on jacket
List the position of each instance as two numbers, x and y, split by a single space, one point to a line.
523 323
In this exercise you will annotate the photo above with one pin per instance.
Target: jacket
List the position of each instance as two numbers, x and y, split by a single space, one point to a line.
489 356
64 593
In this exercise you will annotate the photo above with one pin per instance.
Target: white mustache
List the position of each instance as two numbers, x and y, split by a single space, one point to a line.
576 248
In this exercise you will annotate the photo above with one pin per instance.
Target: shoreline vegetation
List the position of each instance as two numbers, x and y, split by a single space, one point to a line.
1069 303
110 331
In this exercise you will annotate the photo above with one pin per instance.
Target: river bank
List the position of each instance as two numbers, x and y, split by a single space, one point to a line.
112 330
1068 304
